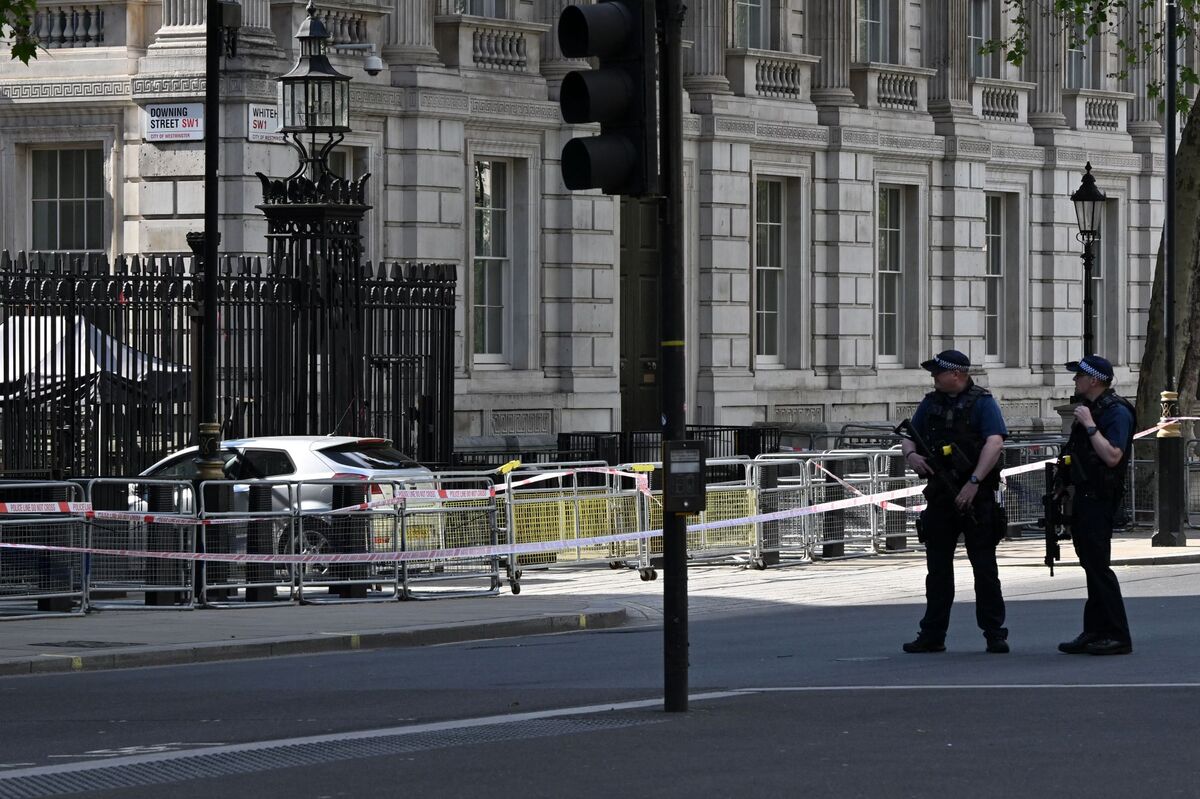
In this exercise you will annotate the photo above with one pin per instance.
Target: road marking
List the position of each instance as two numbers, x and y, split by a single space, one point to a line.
981 687
413 729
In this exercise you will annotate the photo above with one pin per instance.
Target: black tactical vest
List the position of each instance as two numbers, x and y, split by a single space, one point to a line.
1100 479
948 421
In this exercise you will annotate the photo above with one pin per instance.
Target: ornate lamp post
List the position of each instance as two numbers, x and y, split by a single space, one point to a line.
1089 207
316 99
314 211
1171 509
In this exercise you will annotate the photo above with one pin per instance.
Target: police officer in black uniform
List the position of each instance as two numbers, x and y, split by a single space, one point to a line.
961 498
1100 444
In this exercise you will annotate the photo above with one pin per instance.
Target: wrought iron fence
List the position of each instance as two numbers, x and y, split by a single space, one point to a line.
97 360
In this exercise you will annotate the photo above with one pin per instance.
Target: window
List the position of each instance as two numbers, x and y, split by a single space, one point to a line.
754 24
890 287
491 258
996 254
68 199
497 9
259 464
874 32
367 455
980 33
768 269
1083 58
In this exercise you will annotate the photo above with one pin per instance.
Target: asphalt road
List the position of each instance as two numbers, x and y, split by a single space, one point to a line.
813 700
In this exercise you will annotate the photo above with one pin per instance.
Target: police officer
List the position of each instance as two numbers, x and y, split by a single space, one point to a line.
1100 443
961 496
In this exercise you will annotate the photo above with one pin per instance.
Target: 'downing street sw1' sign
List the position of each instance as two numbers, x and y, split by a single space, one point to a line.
173 122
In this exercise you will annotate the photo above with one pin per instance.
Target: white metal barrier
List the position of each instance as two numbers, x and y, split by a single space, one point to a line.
162 582
258 519
34 583
461 512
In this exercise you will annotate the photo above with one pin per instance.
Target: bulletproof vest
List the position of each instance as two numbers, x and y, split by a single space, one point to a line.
948 421
1101 479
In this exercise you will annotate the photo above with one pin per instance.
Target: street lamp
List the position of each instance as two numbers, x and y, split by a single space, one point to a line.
1089 208
315 99
1171 511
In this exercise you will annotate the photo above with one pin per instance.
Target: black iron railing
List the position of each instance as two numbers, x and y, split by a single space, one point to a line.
96 360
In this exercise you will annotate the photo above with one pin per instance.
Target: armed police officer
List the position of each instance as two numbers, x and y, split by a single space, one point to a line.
960 426
1100 443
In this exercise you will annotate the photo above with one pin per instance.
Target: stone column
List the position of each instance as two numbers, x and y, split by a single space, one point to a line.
554 65
831 29
946 42
410 34
1144 118
1046 57
704 64
183 27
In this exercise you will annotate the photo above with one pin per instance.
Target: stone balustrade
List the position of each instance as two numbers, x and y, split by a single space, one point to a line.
766 73
995 100
488 44
1094 109
891 86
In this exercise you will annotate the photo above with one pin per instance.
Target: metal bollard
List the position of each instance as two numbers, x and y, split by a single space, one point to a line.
894 522
349 534
768 502
260 534
161 538
835 525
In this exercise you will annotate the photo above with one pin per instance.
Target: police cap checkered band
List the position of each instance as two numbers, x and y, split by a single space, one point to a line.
1093 366
947 360
942 364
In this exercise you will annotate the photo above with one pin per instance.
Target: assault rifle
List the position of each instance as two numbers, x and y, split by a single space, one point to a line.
1057 519
947 464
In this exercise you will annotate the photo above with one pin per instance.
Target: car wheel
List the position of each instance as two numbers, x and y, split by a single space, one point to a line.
314 540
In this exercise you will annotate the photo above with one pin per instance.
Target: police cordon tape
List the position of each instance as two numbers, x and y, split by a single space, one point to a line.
880 499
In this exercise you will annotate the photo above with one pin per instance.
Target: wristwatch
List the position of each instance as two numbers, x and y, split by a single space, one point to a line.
974 480
1091 431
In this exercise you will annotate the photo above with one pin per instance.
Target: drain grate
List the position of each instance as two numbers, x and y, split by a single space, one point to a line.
88 644
252 758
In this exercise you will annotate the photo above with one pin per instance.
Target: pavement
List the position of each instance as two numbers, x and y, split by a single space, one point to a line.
552 601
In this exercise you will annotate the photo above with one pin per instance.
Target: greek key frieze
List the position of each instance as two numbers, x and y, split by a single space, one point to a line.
59 89
543 111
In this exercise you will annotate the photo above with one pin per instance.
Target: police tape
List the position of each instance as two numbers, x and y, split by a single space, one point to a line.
45 507
470 552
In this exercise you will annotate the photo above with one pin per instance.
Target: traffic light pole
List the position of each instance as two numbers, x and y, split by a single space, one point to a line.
672 358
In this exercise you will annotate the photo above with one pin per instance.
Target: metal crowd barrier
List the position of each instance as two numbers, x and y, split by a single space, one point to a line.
323 526
783 485
162 582
259 520
567 506
41 583
466 517
1022 493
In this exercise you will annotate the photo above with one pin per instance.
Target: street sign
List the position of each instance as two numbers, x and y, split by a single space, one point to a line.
262 123
173 122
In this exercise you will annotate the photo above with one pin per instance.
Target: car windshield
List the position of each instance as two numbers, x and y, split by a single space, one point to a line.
369 456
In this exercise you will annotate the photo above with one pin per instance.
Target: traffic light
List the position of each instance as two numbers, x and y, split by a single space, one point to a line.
618 93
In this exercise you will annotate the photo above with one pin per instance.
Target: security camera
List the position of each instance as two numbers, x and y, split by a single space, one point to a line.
372 65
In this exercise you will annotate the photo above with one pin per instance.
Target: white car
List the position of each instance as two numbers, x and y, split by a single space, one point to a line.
293 459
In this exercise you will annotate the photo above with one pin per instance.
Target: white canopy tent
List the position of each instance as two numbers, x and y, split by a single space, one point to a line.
47 357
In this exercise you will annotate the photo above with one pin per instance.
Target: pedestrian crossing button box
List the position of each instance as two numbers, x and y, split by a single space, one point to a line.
683 476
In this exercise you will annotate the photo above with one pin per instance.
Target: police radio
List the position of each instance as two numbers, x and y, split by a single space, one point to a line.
683 477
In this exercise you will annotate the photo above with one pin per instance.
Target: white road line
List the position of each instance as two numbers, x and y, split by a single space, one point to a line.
413 729
982 687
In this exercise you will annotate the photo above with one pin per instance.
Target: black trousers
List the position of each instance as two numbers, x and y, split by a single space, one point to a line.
941 524
1091 534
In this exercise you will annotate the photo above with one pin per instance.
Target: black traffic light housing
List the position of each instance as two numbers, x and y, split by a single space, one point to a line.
619 94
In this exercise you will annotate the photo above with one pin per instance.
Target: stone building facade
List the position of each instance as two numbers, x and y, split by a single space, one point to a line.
862 189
